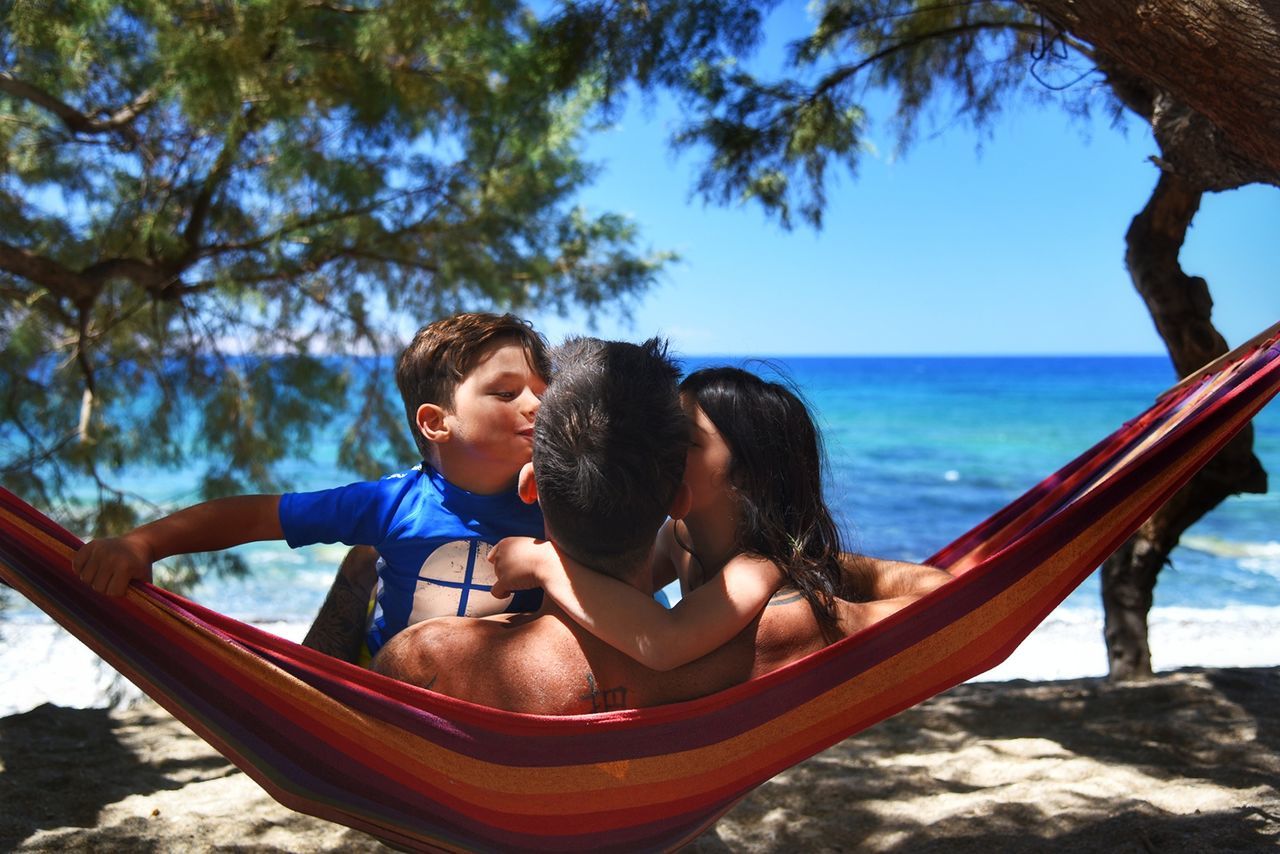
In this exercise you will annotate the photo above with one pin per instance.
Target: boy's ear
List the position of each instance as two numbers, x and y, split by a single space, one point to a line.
526 487
432 423
682 502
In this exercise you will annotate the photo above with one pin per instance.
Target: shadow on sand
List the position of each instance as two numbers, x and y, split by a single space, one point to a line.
1076 766
51 750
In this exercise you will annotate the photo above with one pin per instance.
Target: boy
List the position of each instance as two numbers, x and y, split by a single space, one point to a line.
471 386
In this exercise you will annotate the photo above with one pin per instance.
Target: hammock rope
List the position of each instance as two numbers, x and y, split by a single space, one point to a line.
424 771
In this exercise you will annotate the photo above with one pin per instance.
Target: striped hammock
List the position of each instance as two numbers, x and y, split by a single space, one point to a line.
424 771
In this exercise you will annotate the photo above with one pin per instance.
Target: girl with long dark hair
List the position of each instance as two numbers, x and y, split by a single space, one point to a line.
755 475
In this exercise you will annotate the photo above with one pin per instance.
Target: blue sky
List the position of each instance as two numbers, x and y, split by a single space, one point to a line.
1016 248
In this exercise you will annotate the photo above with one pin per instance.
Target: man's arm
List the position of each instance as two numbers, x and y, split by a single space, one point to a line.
869 578
339 628
877 588
109 564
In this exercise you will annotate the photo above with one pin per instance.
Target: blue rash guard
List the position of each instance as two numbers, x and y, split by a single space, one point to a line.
432 538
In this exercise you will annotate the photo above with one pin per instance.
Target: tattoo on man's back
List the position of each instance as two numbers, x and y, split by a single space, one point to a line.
606 699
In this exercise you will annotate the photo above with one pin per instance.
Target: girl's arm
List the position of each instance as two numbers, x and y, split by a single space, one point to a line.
631 621
109 564
520 563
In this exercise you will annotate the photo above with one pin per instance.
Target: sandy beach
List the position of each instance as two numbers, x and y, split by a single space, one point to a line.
1188 762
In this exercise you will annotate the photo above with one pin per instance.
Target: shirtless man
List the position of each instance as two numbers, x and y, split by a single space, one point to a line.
608 465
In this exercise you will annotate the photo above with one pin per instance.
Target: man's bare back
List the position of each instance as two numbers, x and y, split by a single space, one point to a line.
544 663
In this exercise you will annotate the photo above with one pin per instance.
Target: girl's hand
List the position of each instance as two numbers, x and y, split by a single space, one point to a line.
109 564
522 563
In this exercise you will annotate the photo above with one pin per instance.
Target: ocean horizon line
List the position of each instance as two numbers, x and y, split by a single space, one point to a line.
680 354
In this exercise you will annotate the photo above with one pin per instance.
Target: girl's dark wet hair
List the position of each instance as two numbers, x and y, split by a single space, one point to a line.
775 471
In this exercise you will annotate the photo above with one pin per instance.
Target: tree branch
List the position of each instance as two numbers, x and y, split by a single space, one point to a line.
81 287
335 8
216 177
840 75
40 453
146 275
73 119
284 230
59 279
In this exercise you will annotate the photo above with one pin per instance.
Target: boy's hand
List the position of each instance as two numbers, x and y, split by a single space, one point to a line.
109 564
519 564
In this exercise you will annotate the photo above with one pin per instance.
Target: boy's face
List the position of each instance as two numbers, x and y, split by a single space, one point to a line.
491 420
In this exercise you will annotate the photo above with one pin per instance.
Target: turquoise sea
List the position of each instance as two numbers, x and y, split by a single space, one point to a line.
920 450
923 449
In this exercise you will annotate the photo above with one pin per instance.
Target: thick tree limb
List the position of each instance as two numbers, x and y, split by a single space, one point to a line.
1220 58
74 120
49 274
1181 307
1190 144
1129 576
81 287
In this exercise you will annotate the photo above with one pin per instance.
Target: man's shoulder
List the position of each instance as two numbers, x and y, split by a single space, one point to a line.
540 663
476 659
439 639
412 654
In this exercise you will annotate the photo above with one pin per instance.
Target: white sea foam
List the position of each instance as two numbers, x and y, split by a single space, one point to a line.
1069 643
42 663
1219 547
1257 558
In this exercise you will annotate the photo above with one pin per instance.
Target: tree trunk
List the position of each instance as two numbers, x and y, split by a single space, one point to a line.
1180 305
1221 58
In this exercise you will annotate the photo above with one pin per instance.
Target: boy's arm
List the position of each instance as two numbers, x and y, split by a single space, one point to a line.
109 564
870 578
631 621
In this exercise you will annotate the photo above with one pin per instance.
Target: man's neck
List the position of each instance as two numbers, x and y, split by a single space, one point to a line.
640 577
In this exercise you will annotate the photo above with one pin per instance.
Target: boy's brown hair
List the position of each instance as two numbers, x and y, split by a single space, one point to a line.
442 353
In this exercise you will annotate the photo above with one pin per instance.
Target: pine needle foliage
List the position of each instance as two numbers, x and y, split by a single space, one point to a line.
202 202
771 140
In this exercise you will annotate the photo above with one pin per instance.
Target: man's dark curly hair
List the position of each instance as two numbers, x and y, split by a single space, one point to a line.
609 450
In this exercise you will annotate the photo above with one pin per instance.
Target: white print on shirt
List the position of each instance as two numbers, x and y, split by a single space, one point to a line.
454 581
